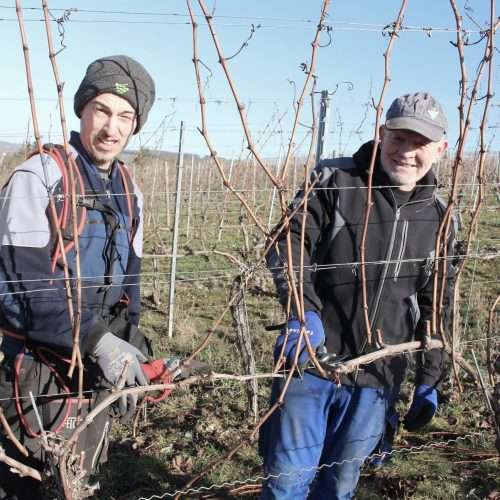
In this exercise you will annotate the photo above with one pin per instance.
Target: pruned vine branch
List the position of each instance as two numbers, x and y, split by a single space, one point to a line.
379 110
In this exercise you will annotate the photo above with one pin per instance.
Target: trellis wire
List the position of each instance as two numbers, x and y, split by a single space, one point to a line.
408 450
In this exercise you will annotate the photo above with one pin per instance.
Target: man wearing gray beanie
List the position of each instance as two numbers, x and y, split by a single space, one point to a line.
117 83
113 102
122 76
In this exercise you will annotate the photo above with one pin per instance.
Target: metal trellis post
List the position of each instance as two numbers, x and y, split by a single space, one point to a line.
190 197
324 113
178 198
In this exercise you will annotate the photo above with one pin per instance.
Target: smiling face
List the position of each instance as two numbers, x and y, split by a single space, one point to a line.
407 156
106 125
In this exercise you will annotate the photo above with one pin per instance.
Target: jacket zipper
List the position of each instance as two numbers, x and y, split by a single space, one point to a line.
387 263
399 263
384 275
386 267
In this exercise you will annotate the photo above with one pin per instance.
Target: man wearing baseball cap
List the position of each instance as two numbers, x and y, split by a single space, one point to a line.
325 429
112 102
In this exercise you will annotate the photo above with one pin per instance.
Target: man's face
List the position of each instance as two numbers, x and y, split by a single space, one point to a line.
407 156
106 125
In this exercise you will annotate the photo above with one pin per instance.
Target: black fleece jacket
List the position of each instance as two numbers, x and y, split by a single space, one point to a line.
399 255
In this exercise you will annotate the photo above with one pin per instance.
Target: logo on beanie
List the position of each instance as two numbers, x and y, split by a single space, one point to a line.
121 88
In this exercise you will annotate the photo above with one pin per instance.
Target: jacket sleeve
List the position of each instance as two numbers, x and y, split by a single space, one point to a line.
33 297
316 219
430 364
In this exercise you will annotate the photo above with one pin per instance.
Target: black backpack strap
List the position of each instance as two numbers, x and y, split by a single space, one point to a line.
129 191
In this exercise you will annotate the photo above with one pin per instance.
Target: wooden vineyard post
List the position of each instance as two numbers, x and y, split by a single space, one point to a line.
224 202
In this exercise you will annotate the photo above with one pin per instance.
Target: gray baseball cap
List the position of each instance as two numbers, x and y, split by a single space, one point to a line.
418 112
120 75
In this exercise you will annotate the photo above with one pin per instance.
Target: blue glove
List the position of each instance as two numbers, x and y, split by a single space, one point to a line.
423 408
315 331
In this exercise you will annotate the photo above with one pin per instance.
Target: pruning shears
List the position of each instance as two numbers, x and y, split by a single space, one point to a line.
329 361
169 370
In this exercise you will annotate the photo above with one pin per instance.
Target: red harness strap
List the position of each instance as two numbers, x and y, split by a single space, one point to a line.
17 393
68 400
64 218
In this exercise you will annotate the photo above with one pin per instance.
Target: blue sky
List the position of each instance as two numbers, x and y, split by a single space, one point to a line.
262 72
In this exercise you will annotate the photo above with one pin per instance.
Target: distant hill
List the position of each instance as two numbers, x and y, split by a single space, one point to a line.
169 156
127 155
9 147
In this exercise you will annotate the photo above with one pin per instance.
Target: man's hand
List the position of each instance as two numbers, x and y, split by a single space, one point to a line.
422 409
314 330
111 354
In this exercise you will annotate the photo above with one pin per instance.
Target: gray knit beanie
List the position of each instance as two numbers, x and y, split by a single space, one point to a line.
122 76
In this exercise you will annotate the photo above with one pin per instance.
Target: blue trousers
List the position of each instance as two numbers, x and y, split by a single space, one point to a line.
320 424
